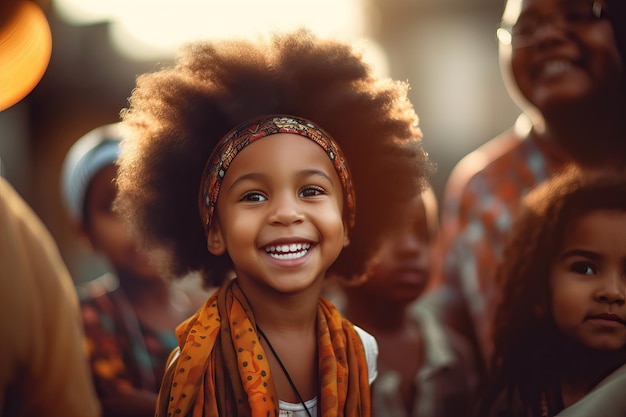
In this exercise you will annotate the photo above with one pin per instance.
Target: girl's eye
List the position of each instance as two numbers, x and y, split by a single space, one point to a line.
253 196
312 191
584 268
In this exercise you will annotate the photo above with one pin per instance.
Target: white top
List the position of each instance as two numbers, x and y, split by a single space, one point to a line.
371 355
606 399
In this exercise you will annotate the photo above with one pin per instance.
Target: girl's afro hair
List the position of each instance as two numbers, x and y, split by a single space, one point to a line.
176 115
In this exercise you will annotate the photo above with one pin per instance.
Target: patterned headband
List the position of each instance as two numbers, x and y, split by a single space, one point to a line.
237 139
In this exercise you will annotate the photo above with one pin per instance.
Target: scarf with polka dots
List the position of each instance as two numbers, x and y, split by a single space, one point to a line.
221 368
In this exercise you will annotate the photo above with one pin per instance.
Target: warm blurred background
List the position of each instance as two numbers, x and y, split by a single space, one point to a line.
446 49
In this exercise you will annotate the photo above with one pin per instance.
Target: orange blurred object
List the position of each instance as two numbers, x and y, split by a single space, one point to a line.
25 49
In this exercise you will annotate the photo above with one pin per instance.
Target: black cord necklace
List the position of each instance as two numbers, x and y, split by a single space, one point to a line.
282 366
269 344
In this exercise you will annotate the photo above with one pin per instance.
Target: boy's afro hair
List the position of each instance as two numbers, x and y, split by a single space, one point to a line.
176 115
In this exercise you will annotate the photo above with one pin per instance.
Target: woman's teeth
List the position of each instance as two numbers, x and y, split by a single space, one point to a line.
557 67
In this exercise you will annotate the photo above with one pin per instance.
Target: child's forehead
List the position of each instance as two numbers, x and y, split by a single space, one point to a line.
424 208
597 235
418 216
586 222
284 142
279 153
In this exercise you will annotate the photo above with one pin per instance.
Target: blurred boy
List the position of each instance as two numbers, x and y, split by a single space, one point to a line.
425 370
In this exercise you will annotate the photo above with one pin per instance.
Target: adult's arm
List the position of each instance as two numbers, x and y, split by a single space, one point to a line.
44 369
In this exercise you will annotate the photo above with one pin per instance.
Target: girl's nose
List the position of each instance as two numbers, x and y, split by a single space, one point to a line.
285 210
613 289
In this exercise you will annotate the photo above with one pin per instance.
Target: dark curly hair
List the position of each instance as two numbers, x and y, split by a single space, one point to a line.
527 345
176 116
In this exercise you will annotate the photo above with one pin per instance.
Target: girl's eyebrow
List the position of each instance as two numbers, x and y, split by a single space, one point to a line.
303 174
581 252
245 177
312 172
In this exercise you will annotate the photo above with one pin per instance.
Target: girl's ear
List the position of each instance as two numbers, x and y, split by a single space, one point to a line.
346 238
215 240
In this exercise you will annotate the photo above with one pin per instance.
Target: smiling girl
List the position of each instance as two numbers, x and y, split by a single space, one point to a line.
245 159
560 328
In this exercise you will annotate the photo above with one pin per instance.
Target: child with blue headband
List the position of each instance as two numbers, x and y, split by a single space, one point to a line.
128 313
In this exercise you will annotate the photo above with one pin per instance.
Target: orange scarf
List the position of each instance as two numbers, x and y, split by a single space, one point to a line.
222 369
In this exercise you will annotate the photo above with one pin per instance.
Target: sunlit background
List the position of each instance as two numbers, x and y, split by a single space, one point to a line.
152 29
446 49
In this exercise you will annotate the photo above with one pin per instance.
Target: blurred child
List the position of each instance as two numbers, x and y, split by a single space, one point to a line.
239 149
560 327
425 369
129 314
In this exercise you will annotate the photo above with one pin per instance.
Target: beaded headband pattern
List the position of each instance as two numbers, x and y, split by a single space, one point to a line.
237 139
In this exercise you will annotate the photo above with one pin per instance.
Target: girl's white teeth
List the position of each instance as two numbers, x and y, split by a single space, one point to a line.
292 251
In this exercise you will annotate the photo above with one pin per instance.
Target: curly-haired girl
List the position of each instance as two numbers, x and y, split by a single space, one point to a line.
257 150
560 327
